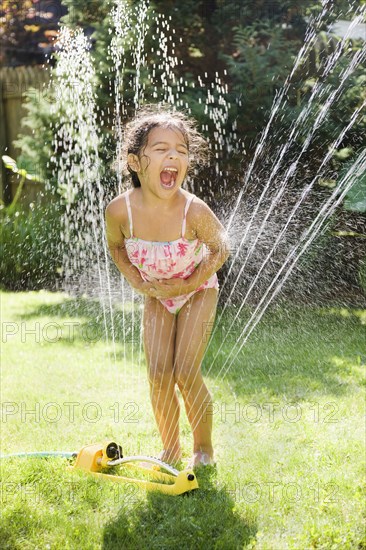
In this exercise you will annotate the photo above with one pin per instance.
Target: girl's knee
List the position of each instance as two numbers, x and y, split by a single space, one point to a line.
160 377
187 377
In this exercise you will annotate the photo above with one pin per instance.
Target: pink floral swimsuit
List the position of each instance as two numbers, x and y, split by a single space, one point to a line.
169 259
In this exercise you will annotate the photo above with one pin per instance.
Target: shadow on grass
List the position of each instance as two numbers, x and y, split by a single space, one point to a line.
202 519
43 501
295 351
92 323
291 351
16 522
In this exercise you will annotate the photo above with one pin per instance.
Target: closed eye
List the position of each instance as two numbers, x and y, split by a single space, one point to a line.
180 152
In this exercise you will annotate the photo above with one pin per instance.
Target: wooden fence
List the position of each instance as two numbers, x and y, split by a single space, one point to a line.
14 83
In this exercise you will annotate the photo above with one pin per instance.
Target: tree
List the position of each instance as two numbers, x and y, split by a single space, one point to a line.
250 45
29 28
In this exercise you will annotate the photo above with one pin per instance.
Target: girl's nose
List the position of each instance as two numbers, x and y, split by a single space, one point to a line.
173 154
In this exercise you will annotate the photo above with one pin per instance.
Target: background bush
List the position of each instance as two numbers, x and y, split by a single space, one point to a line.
255 45
29 248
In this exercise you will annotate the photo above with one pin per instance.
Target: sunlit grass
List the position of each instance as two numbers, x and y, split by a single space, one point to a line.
288 431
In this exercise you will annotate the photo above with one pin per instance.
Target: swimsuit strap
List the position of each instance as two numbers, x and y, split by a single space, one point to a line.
188 203
127 197
129 211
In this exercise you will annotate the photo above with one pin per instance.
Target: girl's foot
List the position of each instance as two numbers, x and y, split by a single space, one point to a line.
169 456
200 459
166 455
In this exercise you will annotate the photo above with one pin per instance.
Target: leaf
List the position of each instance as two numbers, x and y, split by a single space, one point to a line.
327 183
344 153
356 196
10 163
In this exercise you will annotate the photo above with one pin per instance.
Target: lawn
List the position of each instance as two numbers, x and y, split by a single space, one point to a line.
288 431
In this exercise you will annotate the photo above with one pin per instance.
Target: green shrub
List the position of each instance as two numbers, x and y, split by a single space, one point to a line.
29 248
362 274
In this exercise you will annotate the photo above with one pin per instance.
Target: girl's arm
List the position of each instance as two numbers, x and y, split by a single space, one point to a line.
210 231
117 248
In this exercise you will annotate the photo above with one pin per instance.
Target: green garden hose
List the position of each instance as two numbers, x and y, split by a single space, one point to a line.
42 454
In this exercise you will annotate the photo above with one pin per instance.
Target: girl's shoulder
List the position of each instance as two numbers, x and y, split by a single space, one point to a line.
117 205
199 213
197 206
117 211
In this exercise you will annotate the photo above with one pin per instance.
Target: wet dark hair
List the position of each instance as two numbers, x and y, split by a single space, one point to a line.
137 131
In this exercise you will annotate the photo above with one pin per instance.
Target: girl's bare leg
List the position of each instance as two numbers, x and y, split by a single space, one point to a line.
194 324
159 336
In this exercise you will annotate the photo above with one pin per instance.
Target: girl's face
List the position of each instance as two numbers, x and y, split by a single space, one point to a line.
162 164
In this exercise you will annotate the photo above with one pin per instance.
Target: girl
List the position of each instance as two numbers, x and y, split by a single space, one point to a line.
168 244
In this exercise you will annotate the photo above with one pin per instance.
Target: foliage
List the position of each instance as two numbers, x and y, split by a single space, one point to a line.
13 35
362 274
28 30
356 196
23 174
255 45
340 113
36 149
262 60
29 248
28 239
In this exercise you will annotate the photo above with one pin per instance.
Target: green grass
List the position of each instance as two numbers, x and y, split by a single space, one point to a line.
288 432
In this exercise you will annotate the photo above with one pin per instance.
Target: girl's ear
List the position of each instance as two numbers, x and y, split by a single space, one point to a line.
133 162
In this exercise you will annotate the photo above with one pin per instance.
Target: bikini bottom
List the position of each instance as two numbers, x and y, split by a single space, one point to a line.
174 305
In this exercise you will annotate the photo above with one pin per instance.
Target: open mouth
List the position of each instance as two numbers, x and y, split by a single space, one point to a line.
168 177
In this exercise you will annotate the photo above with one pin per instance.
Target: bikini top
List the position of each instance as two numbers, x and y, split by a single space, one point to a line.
164 259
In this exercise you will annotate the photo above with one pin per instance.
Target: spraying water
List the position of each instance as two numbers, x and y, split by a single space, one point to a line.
268 237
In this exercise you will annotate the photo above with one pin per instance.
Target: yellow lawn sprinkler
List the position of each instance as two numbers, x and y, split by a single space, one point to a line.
98 457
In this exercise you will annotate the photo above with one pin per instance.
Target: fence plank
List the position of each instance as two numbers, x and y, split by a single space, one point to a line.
14 83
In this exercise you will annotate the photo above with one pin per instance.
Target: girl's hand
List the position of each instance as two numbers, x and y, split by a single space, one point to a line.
147 289
163 288
170 288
